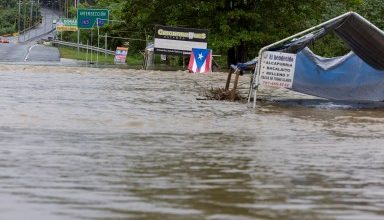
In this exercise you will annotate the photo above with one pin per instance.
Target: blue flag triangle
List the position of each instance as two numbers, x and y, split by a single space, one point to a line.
200 56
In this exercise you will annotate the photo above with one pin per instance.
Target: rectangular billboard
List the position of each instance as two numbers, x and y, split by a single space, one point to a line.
179 41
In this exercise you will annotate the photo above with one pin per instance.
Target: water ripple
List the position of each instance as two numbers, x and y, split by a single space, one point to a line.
124 144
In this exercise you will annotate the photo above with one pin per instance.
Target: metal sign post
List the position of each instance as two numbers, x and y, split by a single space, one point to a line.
98 41
78 42
86 19
106 44
86 56
18 21
91 46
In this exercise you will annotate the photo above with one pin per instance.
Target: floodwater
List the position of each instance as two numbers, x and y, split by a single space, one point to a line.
80 143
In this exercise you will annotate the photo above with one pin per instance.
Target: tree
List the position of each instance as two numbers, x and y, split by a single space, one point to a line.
256 23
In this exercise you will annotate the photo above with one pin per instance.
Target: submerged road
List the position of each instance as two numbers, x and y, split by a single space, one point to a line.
13 52
24 48
90 144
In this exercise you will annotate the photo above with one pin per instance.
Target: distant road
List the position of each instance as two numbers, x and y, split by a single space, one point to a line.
24 47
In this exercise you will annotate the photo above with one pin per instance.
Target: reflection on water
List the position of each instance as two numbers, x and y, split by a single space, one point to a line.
123 144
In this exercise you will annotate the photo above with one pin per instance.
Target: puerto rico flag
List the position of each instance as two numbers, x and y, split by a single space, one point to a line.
200 61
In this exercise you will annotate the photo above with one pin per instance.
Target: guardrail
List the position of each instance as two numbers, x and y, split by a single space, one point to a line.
82 46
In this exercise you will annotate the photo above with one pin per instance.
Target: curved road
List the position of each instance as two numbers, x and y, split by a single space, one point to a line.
25 48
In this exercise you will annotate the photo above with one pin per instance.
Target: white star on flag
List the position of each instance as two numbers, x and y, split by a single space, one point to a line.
200 56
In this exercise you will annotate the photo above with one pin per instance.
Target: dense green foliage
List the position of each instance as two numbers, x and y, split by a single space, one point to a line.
256 22
9 16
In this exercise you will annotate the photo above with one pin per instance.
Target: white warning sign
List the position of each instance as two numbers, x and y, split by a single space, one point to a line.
277 69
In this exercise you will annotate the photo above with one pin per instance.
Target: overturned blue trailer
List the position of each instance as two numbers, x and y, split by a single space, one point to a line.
356 76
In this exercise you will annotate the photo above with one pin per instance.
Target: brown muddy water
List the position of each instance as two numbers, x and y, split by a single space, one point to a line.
80 143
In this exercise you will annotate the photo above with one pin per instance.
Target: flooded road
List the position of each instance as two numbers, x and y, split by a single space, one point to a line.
81 143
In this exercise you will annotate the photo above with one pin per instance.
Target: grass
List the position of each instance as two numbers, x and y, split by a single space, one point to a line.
135 59
71 53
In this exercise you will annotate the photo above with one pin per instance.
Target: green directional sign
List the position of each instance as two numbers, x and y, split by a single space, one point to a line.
90 18
66 24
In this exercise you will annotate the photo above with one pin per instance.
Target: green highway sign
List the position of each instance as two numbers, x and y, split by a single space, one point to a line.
90 18
66 24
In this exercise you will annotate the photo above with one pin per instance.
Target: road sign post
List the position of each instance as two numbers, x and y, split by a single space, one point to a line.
78 43
88 18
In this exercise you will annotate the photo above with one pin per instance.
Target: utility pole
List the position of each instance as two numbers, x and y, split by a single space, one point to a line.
25 18
98 42
38 7
67 7
30 19
52 8
18 21
45 20
31 14
61 8
91 43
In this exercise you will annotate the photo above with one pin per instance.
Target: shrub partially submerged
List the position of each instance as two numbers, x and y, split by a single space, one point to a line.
222 94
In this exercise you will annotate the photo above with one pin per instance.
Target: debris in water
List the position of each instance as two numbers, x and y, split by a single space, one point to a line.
222 94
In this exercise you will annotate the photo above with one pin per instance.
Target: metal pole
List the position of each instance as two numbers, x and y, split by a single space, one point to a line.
30 19
25 18
78 42
91 44
35 24
67 8
45 20
105 41
86 56
30 13
18 22
52 15
98 41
